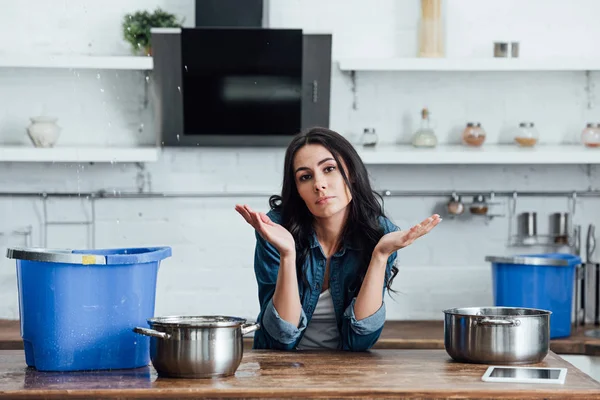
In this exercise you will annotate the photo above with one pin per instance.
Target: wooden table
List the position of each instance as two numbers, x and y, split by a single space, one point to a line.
269 374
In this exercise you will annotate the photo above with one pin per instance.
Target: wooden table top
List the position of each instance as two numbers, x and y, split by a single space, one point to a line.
395 335
268 374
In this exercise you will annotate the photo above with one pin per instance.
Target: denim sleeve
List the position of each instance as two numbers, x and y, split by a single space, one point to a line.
361 335
275 332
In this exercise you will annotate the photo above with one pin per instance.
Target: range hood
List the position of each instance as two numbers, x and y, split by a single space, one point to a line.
232 13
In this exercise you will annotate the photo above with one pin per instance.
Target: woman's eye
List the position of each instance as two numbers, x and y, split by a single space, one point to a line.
329 169
304 177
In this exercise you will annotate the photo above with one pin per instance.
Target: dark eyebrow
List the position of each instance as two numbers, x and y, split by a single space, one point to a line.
319 163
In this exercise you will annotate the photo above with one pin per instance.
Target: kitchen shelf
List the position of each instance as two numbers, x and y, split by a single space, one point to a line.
77 62
79 154
469 64
487 154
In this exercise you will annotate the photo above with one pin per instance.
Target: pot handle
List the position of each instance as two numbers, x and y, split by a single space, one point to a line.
503 322
247 328
151 332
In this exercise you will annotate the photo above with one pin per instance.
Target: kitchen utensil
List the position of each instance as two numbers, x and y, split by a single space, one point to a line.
528 227
559 227
497 335
579 317
590 247
506 49
455 205
196 346
479 205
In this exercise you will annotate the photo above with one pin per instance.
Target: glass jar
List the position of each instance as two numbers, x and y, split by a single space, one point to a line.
424 136
479 206
590 136
369 137
527 135
455 205
473 135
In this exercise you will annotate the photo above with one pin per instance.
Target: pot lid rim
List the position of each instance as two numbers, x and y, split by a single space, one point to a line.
537 312
197 321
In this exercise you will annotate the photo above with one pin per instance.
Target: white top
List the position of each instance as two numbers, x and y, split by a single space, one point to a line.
322 331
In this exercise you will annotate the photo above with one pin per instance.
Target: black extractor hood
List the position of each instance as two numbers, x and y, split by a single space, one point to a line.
232 13
232 81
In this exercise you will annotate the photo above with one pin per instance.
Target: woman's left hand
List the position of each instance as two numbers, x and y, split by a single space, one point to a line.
395 241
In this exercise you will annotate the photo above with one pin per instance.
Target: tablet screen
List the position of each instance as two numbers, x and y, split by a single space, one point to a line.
527 373
524 375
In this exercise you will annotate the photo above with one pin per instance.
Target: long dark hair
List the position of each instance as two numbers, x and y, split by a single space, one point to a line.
362 227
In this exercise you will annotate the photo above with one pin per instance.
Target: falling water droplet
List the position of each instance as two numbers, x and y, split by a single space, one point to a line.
178 137
97 76
186 68
101 90
179 88
118 221
147 79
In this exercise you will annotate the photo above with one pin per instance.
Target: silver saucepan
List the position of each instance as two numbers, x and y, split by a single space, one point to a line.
497 335
196 347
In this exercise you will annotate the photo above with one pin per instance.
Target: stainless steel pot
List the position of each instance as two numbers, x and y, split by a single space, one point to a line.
196 346
497 335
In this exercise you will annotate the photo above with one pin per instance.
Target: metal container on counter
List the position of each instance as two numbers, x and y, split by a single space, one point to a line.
196 346
497 335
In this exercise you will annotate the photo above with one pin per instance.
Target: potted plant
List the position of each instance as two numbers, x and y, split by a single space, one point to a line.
136 28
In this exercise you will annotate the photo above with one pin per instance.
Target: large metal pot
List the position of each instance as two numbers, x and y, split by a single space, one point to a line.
497 335
196 347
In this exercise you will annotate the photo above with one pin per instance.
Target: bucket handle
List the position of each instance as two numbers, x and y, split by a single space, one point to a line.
247 328
502 322
151 332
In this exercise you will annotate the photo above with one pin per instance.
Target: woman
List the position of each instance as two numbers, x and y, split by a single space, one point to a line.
325 252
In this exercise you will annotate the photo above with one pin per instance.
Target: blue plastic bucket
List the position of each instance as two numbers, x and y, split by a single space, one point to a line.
542 281
78 308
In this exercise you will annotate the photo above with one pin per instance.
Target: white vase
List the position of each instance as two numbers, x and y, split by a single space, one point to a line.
43 131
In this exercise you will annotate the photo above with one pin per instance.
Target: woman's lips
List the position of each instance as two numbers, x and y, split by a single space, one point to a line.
324 200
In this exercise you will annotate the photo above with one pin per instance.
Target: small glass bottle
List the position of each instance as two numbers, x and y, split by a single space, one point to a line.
590 136
473 135
424 136
369 137
527 135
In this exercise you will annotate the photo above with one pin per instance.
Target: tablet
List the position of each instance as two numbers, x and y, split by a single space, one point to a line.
525 375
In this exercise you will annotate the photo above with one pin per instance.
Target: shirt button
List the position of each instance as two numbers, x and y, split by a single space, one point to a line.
322 263
317 286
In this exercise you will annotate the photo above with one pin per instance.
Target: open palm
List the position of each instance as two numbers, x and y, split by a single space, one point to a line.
397 240
273 233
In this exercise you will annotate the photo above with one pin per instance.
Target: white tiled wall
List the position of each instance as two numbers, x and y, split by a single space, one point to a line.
211 268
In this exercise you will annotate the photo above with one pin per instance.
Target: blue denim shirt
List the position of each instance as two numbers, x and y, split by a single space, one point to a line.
276 333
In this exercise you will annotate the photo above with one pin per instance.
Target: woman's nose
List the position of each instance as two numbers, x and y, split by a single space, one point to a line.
320 185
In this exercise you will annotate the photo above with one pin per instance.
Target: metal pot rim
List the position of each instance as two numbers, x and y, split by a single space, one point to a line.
506 312
197 321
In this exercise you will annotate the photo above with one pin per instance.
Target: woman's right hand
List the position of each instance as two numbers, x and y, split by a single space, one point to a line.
273 233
